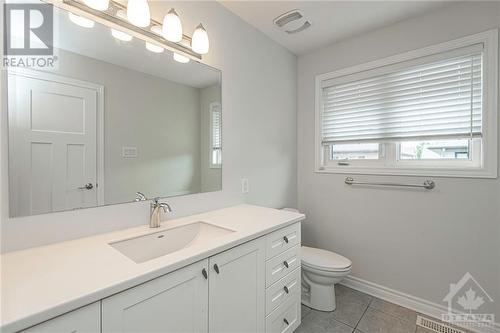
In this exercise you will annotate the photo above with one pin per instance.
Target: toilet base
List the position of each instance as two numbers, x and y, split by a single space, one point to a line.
320 297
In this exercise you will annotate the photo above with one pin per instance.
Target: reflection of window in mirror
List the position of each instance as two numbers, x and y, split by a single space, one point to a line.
215 135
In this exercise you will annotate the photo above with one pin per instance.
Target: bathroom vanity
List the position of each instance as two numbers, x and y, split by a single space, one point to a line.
231 270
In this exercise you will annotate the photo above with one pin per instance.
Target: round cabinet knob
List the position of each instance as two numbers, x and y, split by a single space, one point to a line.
285 288
286 264
205 274
286 321
216 268
285 239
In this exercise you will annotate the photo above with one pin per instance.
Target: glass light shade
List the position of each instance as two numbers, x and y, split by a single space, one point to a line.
181 58
172 27
121 35
199 41
97 4
81 21
138 13
154 48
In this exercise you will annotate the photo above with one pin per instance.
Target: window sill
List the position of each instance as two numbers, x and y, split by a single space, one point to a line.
397 171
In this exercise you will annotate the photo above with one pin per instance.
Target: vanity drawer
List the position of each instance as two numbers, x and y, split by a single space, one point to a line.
283 290
282 240
285 319
83 320
281 265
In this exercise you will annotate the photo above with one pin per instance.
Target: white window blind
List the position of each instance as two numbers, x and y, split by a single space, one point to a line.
215 135
441 97
216 128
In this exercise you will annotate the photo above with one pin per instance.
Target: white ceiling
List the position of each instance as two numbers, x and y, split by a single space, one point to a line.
331 20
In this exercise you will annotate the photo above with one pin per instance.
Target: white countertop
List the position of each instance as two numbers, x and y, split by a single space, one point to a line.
43 282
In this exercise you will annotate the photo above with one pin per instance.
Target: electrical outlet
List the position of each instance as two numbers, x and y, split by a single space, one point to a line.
244 185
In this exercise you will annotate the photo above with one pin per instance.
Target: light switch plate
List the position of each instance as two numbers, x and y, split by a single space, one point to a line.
129 152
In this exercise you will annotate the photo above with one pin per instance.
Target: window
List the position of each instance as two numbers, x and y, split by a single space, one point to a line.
215 135
426 112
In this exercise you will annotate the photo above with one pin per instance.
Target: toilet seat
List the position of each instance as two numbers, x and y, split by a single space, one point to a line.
324 260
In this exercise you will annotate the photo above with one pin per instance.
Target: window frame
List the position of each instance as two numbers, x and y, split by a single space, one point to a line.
390 164
214 107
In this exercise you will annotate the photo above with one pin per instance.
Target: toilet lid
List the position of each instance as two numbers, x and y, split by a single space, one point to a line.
323 259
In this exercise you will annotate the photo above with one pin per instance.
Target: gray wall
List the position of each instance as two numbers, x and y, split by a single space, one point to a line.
410 241
259 136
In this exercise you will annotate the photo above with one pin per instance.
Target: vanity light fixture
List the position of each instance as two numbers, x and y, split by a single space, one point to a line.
172 27
154 48
199 42
81 21
138 13
180 58
133 19
97 4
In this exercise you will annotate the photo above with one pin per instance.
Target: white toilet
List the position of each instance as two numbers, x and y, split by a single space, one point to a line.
321 270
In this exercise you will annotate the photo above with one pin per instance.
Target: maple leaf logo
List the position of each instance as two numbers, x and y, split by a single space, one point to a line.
470 301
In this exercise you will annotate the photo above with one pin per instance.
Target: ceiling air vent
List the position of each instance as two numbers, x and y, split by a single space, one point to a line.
436 326
292 22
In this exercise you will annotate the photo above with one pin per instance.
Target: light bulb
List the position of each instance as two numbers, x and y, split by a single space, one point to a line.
154 48
81 21
138 12
199 41
172 27
121 35
97 4
181 58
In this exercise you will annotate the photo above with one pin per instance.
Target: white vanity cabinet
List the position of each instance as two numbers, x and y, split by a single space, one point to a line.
237 289
252 287
83 320
283 280
176 302
225 293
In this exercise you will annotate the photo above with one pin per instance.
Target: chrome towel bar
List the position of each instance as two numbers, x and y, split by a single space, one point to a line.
428 184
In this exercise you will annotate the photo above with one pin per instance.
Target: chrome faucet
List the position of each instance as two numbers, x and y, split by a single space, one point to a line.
154 219
139 196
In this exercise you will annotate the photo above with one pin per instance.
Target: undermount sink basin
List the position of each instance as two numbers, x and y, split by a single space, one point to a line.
147 247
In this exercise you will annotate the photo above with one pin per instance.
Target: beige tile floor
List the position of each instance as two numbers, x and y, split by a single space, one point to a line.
360 313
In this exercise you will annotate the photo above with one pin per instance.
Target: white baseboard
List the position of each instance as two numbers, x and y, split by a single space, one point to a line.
408 301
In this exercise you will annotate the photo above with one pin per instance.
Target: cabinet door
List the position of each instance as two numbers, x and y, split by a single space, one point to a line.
237 289
176 302
83 320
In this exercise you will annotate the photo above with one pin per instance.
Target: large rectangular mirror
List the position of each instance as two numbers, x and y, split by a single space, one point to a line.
112 119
